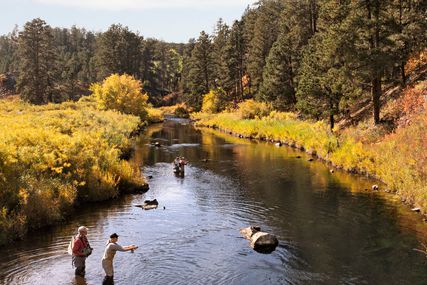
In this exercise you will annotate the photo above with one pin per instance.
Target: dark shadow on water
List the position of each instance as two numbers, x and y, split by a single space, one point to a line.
330 230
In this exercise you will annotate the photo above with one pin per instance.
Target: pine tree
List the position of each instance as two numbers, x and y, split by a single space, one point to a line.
235 53
278 76
200 74
222 78
264 35
118 51
186 62
410 35
372 28
147 68
9 52
37 73
325 80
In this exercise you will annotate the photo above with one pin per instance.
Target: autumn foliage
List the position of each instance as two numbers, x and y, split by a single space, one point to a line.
399 159
121 93
53 155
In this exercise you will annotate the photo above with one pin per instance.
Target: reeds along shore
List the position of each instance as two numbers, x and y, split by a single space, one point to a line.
398 159
55 155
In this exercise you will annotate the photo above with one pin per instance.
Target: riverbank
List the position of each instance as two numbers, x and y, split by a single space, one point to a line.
397 159
54 156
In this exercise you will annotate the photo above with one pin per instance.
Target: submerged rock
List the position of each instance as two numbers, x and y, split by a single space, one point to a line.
260 241
148 204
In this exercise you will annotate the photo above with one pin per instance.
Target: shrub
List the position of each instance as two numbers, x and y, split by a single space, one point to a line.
52 155
251 109
399 159
214 101
178 110
181 112
155 115
121 93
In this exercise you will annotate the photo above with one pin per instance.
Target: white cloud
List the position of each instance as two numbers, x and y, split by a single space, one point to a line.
146 4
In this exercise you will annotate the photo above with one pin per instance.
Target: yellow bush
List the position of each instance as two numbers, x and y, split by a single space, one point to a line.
214 101
251 109
52 154
398 159
180 110
121 93
155 115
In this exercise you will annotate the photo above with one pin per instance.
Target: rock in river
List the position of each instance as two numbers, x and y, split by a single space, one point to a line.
260 241
149 204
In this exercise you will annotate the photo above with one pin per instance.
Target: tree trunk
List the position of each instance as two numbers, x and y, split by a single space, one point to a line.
331 113
376 94
402 73
313 16
291 80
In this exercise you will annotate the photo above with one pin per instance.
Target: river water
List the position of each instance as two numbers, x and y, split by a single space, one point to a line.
330 229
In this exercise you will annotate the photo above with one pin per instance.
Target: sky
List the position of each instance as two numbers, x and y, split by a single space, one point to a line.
168 20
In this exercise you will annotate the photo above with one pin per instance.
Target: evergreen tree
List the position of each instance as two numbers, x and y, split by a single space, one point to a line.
278 76
174 69
9 52
147 68
37 72
118 51
222 77
200 74
410 31
75 49
186 60
235 53
325 80
325 77
372 28
264 35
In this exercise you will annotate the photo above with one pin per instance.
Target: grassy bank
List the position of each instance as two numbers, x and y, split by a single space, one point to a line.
53 156
398 159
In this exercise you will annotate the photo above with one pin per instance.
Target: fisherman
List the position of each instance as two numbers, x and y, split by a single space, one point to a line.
80 250
176 165
109 253
182 162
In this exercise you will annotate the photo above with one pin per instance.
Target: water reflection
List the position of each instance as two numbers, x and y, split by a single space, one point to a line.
330 230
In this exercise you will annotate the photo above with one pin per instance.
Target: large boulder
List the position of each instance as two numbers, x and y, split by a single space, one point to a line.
260 241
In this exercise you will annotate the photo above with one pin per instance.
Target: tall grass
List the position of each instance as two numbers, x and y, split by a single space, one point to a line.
55 155
398 159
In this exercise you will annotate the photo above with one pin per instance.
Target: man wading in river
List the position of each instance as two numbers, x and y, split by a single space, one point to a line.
109 253
81 250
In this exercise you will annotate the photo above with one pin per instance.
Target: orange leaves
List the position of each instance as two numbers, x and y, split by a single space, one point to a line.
416 61
415 99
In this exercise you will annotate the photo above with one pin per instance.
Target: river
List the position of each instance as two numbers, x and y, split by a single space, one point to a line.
331 228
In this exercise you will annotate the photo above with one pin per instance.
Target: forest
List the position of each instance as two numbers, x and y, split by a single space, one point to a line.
344 79
317 57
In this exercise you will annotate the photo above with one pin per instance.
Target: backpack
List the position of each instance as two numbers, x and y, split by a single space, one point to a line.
70 246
